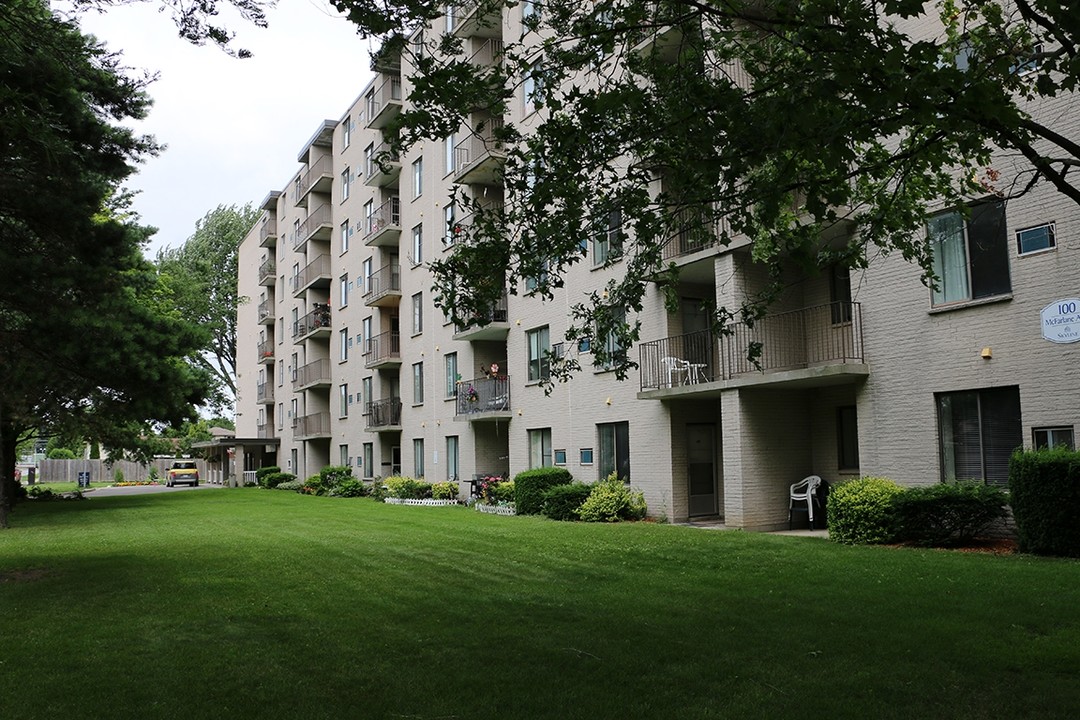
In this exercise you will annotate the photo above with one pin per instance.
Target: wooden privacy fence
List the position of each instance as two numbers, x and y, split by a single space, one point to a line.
101 472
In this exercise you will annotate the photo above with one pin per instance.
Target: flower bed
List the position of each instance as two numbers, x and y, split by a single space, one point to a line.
495 509
430 502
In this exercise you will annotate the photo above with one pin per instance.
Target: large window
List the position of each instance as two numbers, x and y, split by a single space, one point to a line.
448 152
343 401
346 231
540 448
978 431
452 458
451 375
533 87
450 227
614 348
418 177
418 457
346 181
343 340
971 259
346 132
417 313
418 383
343 287
614 443
539 345
417 245
368 462
607 238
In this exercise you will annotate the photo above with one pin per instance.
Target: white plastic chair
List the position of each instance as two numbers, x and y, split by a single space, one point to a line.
806 490
676 369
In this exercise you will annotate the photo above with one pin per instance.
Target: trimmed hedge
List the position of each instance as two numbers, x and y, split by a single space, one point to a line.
273 479
861 511
529 487
947 513
563 502
264 471
407 488
1045 497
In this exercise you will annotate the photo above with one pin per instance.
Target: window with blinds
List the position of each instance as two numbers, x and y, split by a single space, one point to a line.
978 431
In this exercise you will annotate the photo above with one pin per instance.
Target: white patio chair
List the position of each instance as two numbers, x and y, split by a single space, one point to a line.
806 490
676 370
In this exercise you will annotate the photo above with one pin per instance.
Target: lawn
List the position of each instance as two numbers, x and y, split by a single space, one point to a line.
252 603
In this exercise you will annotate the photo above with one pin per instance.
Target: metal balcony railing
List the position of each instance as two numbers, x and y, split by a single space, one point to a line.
265 350
481 395
267 268
382 347
387 93
384 413
313 373
267 230
316 219
323 167
825 334
266 310
314 320
383 281
317 268
381 155
312 425
264 392
477 146
386 216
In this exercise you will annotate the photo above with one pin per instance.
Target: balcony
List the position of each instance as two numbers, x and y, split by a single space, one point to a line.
692 234
811 347
493 326
266 312
476 18
384 102
383 288
268 232
384 415
489 54
309 427
383 167
382 350
264 393
316 274
316 227
315 324
314 374
264 431
479 158
486 398
317 178
383 227
265 351
267 269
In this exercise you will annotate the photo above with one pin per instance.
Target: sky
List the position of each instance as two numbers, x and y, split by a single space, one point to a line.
233 128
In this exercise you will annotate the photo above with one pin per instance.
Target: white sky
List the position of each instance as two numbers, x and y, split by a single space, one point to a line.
233 128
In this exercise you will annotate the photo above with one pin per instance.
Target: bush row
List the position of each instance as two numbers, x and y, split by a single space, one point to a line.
1045 494
877 510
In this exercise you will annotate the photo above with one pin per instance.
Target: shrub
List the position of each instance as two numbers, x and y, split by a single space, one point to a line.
272 480
61 454
529 487
350 487
493 490
153 475
262 472
947 513
118 476
444 490
503 493
407 488
376 490
563 502
612 500
1045 494
861 511
294 485
334 475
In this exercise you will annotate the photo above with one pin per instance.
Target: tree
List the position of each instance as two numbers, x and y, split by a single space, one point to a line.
819 131
202 276
88 344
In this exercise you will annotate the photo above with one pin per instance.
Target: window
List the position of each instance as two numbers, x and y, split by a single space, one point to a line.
607 238
417 313
1034 239
343 287
560 457
369 160
451 375
368 461
418 45
533 87
418 383
538 347
586 456
971 259
847 438
418 245
540 448
345 182
978 430
343 401
418 457
343 339
368 270
346 231
450 18
448 152
280 415
614 441
450 228
840 294
614 349
452 458
533 282
1051 437
343 456
418 177
346 132
530 12
369 217
365 391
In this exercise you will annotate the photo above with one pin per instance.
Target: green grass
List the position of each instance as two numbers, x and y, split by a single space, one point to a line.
248 603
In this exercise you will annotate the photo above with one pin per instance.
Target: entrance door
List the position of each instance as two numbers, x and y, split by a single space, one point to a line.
701 468
395 460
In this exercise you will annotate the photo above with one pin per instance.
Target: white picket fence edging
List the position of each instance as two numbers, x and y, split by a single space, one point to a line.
429 502
495 509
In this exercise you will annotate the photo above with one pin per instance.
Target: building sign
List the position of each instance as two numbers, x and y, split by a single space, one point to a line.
1061 321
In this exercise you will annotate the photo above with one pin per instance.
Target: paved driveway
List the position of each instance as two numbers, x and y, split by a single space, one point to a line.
144 490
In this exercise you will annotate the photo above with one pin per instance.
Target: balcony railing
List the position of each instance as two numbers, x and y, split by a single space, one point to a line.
317 269
483 395
384 102
382 282
264 431
491 326
265 351
266 311
314 425
815 336
386 218
478 157
316 224
692 232
319 177
314 373
476 18
384 413
317 319
382 166
381 348
267 269
264 392
488 54
268 231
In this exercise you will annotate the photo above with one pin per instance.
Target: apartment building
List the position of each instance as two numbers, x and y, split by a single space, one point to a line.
345 359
